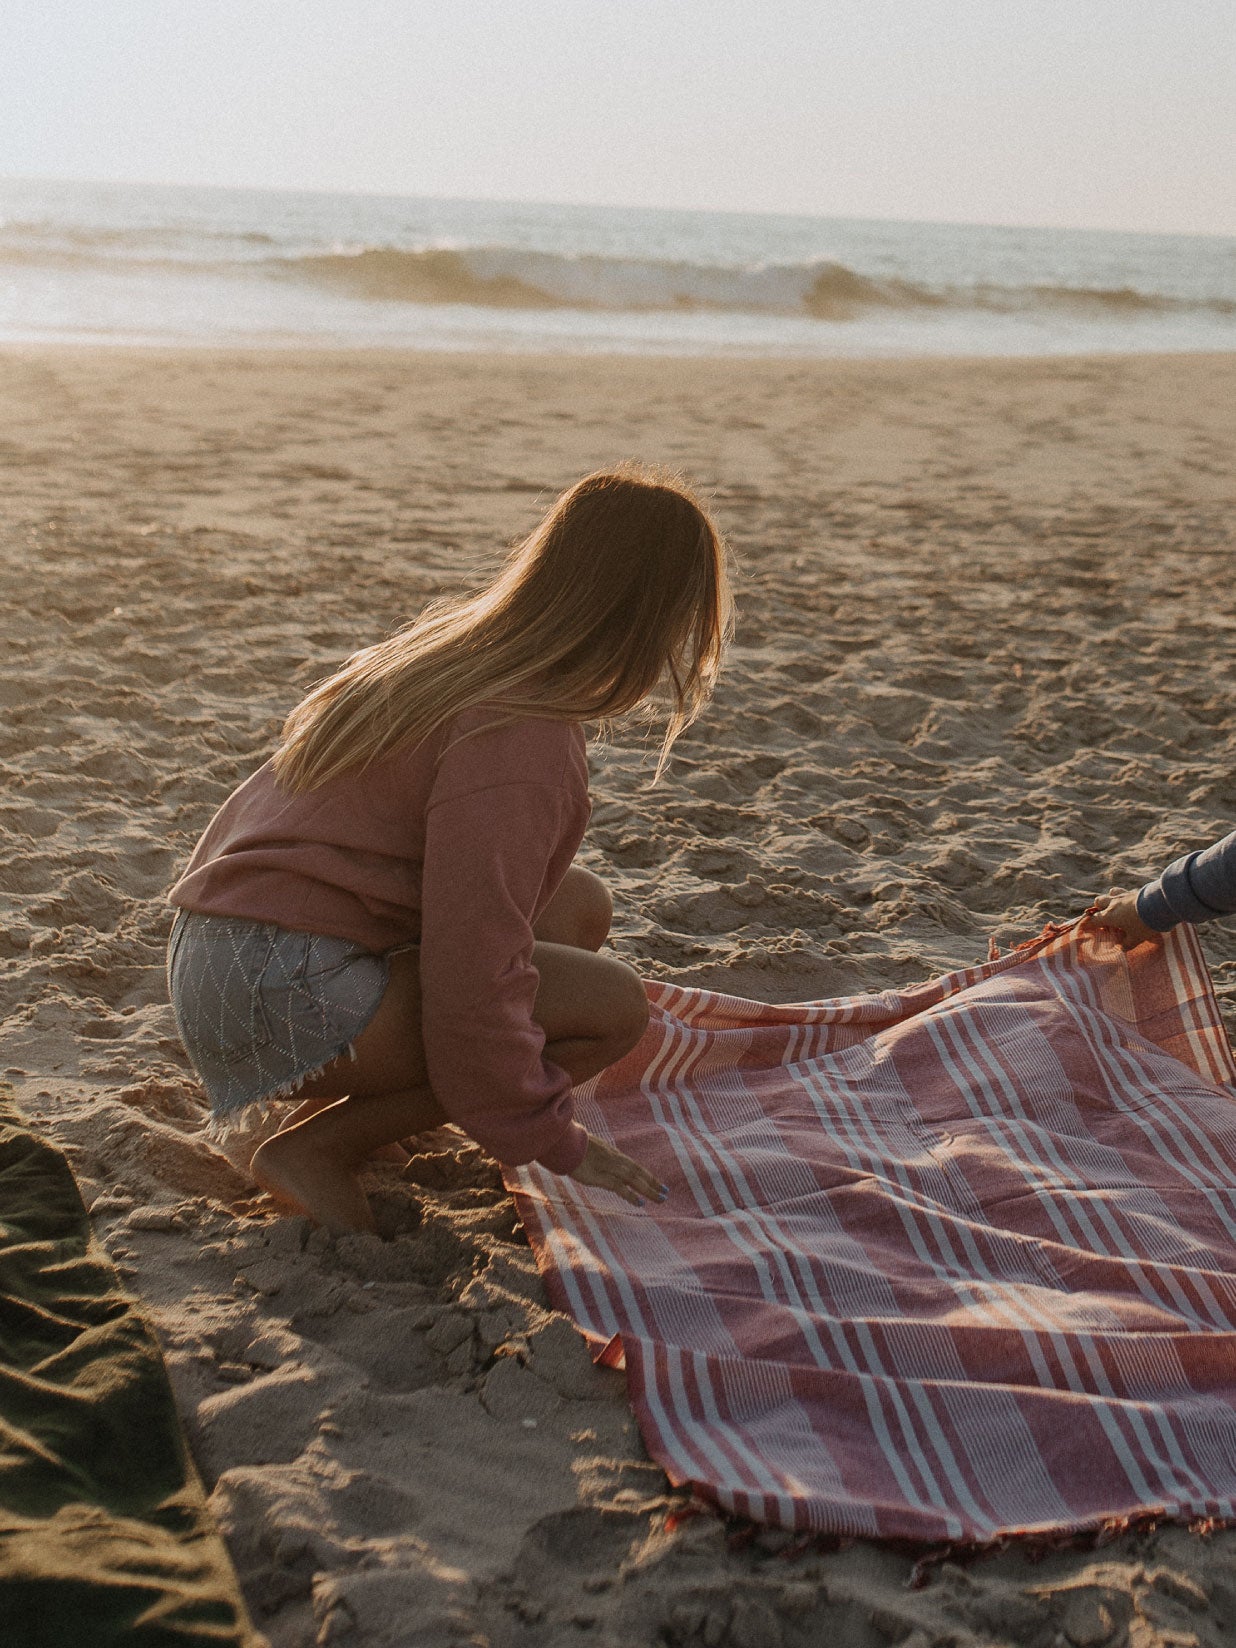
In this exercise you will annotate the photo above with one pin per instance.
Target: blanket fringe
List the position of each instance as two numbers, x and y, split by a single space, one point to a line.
741 1533
1051 930
1037 1547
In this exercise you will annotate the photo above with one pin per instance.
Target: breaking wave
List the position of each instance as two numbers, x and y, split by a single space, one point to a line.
509 277
434 276
500 277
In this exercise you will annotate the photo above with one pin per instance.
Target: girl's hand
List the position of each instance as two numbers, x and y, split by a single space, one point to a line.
1117 912
611 1170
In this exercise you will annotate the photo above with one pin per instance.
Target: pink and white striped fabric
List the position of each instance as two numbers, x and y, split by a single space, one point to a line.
942 1263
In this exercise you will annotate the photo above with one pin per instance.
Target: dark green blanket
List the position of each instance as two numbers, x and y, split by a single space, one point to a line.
105 1541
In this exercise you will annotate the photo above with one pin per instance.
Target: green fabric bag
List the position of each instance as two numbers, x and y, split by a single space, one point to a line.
105 1540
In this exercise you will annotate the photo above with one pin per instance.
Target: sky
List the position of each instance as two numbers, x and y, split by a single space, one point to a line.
1076 113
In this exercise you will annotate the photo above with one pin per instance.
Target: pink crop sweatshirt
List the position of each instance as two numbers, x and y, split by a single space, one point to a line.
456 844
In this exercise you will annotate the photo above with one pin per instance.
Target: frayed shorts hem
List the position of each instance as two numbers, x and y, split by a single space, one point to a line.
252 1113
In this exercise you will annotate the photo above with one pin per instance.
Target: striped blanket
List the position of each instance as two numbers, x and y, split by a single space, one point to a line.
943 1263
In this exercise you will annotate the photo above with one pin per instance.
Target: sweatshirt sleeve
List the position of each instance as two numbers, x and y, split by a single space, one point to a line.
1195 888
493 854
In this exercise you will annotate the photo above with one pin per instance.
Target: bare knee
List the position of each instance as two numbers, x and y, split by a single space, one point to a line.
629 1011
580 912
596 915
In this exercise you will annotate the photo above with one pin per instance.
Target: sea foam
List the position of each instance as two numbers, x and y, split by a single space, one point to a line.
217 262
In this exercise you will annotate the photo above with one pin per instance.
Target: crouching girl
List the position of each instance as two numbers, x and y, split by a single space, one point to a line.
384 922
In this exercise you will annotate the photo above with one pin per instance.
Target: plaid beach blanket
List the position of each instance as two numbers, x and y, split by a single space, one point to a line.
944 1263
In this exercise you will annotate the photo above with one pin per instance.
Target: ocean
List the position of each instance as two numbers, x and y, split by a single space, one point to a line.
112 263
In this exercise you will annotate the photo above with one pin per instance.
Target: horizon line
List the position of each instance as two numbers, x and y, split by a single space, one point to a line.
619 206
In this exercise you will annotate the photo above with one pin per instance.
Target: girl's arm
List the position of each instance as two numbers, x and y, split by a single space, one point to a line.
488 853
507 812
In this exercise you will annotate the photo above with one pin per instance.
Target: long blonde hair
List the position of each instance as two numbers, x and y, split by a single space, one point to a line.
620 590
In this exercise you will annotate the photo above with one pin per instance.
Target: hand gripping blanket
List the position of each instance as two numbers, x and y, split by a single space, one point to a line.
945 1263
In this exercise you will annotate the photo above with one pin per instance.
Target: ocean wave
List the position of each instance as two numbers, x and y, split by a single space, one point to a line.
509 277
505 277
435 276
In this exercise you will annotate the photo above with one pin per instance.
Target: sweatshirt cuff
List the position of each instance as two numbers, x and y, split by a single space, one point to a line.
1153 908
565 1155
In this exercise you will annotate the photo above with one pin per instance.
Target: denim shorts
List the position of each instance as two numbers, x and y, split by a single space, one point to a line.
261 1009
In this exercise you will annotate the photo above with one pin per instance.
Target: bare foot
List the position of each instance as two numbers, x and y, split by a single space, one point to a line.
311 1183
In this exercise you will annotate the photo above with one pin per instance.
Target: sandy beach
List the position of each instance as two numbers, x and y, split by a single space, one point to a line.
983 669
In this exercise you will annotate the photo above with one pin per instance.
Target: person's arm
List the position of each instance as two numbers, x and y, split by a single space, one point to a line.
1195 887
488 854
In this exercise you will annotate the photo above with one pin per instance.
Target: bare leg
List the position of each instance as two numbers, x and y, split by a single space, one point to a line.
313 1166
592 1009
242 1143
394 1153
580 912
312 1163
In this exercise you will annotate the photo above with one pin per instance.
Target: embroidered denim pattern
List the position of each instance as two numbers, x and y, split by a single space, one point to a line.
261 1009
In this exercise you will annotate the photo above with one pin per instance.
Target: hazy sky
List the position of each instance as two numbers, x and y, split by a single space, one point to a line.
1099 113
